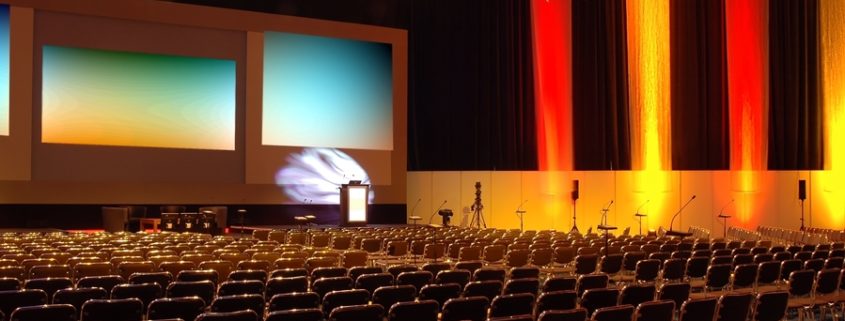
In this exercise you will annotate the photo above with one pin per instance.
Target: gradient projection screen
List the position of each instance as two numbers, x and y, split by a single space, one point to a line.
328 103
121 100
4 70
114 98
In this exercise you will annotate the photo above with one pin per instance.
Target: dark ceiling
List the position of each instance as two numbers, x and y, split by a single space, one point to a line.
387 13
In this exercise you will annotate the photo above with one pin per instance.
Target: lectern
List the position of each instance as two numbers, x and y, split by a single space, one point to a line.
353 203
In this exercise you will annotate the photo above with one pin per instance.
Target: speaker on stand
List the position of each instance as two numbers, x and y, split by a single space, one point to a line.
575 195
802 195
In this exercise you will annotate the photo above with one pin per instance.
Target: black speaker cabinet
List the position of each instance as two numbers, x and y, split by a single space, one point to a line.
802 189
576 192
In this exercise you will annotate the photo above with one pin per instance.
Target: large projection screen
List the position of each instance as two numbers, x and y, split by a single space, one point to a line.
162 101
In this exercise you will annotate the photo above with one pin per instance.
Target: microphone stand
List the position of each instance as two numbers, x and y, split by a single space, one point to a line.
520 212
725 220
640 216
671 231
605 227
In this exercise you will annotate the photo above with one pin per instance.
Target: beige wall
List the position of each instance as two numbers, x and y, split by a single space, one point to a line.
761 198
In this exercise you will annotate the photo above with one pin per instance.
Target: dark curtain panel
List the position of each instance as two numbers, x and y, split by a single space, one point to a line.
795 113
700 132
471 95
600 113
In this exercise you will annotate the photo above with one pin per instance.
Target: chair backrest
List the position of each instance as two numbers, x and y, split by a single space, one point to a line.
52 312
594 299
339 298
279 285
490 273
371 312
647 270
326 285
467 308
556 300
634 294
770 306
242 315
440 292
591 281
390 295
146 292
718 276
801 282
531 286
416 278
232 303
423 310
827 281
699 309
663 310
295 300
296 315
744 276
614 313
186 308
512 305
131 309
677 292
577 314
559 284
488 289
10 300
204 289
734 306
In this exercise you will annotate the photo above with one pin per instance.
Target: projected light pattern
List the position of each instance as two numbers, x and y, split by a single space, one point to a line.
327 92
4 70
100 97
315 174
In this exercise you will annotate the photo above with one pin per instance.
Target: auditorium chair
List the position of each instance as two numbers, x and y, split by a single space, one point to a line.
146 292
467 308
734 306
614 313
203 289
634 294
185 308
51 312
335 299
296 315
241 315
770 306
423 310
295 300
699 309
577 314
232 303
677 292
113 310
233 287
556 300
371 312
389 295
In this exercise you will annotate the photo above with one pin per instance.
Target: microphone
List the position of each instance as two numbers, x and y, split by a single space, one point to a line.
722 210
671 223
413 209
641 206
604 212
518 208
437 210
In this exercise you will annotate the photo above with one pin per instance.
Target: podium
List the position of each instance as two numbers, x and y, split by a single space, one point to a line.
353 203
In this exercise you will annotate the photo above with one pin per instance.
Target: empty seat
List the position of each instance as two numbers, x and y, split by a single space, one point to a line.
232 303
556 300
614 313
416 278
113 310
242 315
49 285
11 300
488 289
52 312
161 278
243 275
387 296
146 292
78 296
512 304
241 287
296 300
471 308
423 310
326 285
198 275
663 310
594 299
340 298
107 282
634 294
355 272
701 309
734 306
440 292
372 312
490 273
677 292
577 314
513 286
460 277
185 308
280 285
202 289
559 284
770 306
296 315
371 282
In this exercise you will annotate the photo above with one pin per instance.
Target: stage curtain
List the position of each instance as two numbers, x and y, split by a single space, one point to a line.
471 95
795 114
600 115
700 132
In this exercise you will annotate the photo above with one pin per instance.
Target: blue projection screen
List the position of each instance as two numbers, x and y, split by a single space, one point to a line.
327 92
4 70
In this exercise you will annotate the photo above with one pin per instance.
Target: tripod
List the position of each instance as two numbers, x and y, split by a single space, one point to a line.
477 218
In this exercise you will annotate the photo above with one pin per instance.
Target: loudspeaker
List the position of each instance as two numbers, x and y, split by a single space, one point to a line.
802 189
575 190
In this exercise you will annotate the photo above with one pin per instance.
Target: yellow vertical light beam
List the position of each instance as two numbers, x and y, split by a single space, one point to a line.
832 36
650 99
